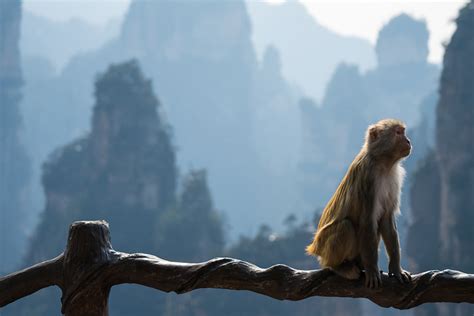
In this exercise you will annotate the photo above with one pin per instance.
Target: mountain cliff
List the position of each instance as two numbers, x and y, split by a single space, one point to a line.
447 177
14 163
123 171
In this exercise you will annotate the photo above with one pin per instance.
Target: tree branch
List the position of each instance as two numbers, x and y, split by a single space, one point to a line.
25 282
285 283
90 267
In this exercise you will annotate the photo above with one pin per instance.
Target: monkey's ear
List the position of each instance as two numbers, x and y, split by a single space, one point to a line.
373 133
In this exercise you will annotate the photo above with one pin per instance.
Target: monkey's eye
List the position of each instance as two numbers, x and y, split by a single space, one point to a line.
399 132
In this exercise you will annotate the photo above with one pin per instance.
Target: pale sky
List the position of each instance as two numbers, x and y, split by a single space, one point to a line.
356 17
365 18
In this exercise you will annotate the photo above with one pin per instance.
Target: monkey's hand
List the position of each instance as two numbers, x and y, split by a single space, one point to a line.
401 275
372 278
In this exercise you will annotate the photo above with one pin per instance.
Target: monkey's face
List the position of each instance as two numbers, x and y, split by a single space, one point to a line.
402 143
387 140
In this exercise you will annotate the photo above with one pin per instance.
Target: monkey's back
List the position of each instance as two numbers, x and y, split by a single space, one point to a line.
340 218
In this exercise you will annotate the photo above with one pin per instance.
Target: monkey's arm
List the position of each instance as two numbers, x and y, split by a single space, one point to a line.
367 230
388 230
368 245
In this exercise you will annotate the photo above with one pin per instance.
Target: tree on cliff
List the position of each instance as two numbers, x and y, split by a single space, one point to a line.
193 230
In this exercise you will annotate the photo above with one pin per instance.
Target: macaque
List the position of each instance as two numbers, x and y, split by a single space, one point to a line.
363 209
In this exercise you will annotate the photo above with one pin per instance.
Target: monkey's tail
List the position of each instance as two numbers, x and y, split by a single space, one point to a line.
311 249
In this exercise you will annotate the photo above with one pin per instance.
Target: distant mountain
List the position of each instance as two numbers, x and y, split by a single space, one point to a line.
14 163
59 41
124 170
309 51
232 115
402 41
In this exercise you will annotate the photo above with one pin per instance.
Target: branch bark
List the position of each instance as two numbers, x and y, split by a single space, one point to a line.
90 267
30 280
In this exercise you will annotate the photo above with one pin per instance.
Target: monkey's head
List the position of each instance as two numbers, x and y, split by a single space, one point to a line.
387 140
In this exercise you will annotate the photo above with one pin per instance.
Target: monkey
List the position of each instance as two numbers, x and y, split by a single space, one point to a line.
363 208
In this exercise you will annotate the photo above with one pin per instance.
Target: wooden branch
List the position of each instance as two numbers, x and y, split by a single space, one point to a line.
90 267
284 283
30 280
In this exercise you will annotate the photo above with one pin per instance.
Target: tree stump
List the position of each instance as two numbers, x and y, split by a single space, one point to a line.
88 253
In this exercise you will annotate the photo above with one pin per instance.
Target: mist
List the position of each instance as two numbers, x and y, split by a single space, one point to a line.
207 129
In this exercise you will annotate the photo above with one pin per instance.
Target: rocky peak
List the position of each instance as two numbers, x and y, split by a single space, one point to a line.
218 29
402 40
125 111
124 169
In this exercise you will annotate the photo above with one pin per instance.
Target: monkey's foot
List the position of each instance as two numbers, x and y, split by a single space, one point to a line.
348 270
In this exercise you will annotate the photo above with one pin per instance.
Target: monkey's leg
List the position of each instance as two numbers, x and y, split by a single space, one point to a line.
341 248
348 270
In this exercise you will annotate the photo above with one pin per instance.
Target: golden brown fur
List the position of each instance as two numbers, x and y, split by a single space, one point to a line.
362 209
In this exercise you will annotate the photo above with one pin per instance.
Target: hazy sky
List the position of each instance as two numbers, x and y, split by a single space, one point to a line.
365 18
356 17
